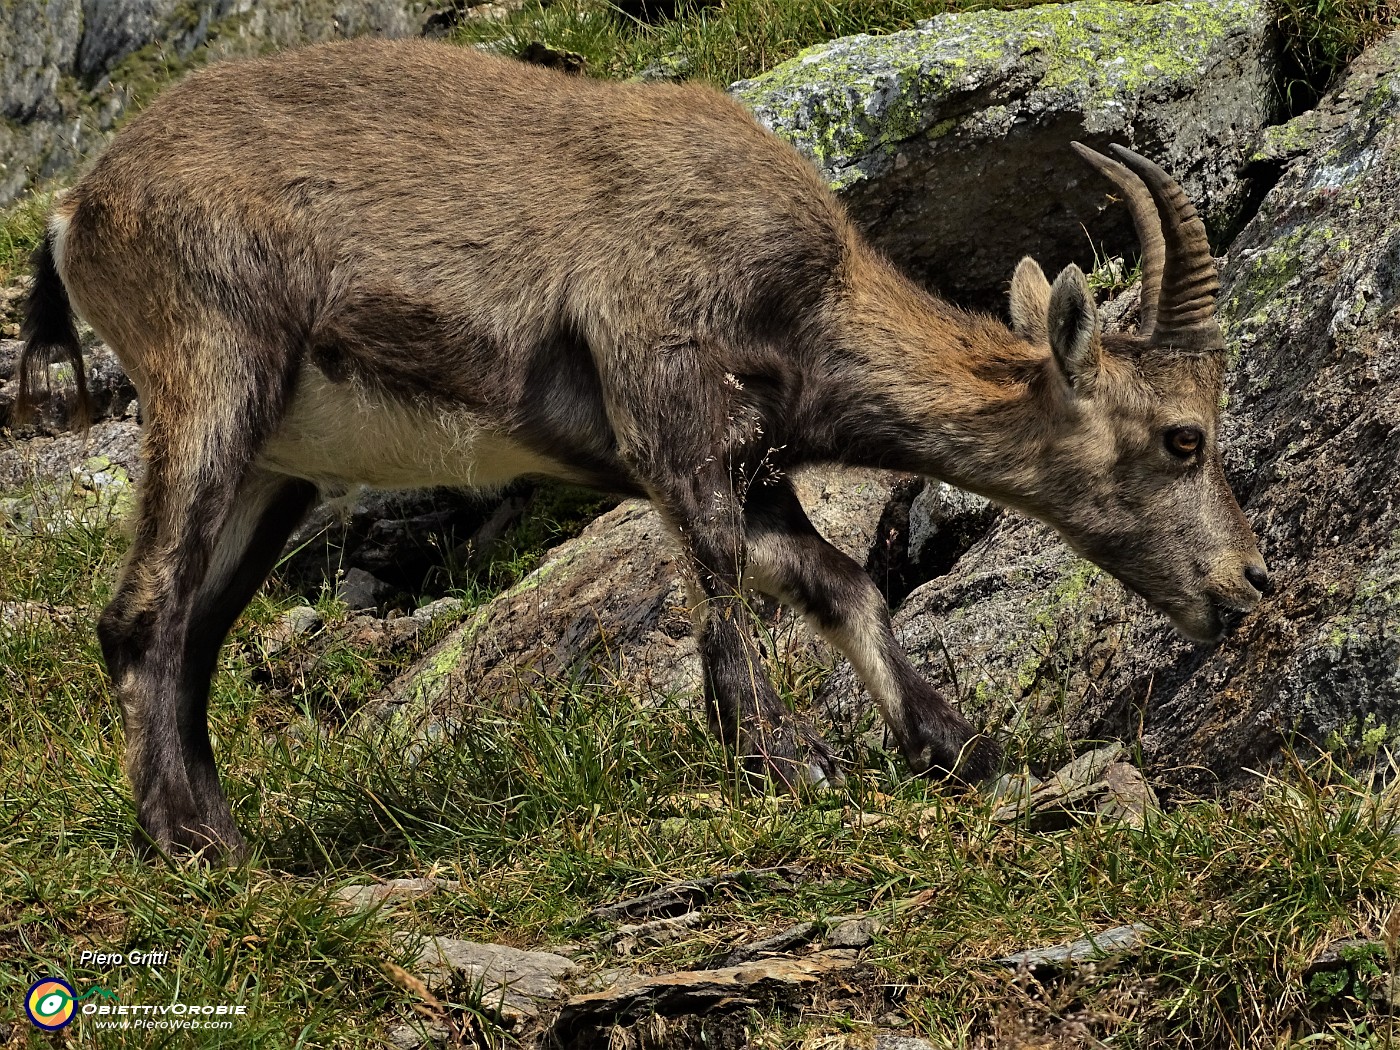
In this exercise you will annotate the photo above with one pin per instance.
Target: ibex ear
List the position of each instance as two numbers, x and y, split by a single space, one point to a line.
1030 301
1073 322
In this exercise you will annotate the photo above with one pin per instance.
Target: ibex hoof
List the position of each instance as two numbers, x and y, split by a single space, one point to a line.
179 838
972 760
794 759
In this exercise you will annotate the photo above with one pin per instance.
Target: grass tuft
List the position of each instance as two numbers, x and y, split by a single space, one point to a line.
21 230
1319 38
718 43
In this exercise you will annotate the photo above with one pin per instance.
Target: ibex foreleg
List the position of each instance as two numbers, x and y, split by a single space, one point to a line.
790 560
740 701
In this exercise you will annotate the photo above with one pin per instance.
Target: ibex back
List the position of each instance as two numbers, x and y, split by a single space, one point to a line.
405 264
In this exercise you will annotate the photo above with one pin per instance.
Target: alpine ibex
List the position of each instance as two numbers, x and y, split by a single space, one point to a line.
406 264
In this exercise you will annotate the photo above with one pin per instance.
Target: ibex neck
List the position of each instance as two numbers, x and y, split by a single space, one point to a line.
958 396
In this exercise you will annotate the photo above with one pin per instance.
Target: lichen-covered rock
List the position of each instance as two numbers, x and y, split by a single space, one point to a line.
1311 307
612 604
70 70
950 141
51 483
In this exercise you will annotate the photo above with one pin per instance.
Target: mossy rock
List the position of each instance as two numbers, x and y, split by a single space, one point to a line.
950 141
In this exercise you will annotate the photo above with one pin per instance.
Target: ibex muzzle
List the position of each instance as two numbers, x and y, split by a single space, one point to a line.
407 264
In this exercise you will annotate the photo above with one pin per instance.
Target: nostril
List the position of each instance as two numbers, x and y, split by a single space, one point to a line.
1258 578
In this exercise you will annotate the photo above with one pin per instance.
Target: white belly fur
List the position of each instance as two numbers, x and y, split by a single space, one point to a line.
340 434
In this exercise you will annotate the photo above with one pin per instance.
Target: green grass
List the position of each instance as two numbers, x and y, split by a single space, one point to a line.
21 230
581 798
736 39
1321 36
718 44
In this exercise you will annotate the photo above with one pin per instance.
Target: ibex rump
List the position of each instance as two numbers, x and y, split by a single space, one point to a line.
405 264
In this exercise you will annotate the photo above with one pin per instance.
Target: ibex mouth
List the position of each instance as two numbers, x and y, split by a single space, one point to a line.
1230 618
1227 615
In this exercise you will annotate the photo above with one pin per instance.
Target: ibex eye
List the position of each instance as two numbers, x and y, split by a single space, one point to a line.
1184 441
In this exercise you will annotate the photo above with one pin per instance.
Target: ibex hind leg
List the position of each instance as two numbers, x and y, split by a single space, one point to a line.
196 456
267 508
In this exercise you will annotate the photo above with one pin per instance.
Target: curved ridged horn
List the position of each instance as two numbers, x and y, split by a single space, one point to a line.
1149 229
1177 264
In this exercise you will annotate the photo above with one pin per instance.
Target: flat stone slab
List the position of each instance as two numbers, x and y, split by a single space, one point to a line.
692 991
515 984
1097 782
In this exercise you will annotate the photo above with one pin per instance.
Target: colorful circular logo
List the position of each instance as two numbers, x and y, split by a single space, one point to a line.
50 1004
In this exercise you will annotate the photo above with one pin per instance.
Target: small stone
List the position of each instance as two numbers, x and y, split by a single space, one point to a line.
1094 783
392 891
855 931
438 609
895 1041
294 623
407 1037
1117 941
1011 788
362 591
1128 798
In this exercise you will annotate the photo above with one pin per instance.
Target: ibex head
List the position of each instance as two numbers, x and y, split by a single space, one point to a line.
1136 470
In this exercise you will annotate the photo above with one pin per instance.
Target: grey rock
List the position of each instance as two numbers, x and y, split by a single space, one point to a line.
756 983
1095 783
894 1041
514 984
409 1037
1013 787
70 70
70 478
38 43
855 931
671 67
1128 797
362 590
1120 940
295 623
1285 143
944 523
927 133
391 891
114 29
